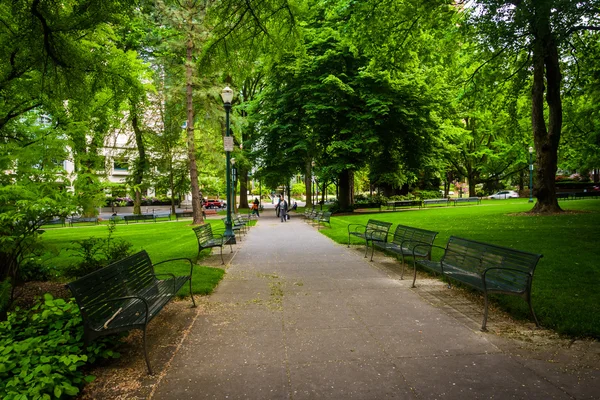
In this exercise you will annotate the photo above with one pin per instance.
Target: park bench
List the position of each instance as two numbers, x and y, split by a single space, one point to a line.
487 268
236 226
308 213
314 218
325 218
459 200
83 220
403 203
125 295
374 230
563 195
138 217
209 211
207 239
408 241
54 221
166 214
183 214
582 195
436 201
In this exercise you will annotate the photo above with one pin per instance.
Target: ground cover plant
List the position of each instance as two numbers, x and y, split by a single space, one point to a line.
565 286
161 240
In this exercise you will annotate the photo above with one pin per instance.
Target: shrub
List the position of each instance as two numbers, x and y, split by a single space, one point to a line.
97 253
42 352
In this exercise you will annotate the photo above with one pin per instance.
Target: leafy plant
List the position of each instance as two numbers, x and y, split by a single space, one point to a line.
42 352
97 253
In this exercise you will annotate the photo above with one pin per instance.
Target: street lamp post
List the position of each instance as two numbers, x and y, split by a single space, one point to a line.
530 175
227 96
234 183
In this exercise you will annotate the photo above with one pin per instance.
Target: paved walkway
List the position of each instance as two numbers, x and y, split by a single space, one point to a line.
300 317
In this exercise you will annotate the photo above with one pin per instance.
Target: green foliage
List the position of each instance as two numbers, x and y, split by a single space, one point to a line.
42 353
298 189
97 253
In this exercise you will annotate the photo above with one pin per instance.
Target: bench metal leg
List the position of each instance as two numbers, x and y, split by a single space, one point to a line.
146 354
366 247
537 324
191 294
222 261
485 312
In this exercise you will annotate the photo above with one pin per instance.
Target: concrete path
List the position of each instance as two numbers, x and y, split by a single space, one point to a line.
301 317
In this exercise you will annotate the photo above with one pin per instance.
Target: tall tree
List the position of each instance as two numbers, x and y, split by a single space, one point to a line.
543 29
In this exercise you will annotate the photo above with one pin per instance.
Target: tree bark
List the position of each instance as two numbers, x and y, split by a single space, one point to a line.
346 186
189 67
308 182
141 162
545 62
243 178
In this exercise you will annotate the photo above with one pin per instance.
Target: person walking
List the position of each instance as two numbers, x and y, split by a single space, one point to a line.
283 206
255 207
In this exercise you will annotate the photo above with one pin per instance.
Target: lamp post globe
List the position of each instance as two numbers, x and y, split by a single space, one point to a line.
227 96
530 174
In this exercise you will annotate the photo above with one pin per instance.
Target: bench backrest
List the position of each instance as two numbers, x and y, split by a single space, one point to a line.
378 230
408 237
203 233
122 278
478 257
325 217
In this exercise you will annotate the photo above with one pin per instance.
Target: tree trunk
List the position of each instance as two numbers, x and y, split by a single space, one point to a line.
308 182
545 59
243 178
189 68
346 188
141 162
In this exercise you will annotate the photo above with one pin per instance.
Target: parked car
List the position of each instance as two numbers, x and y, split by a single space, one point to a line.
213 204
504 194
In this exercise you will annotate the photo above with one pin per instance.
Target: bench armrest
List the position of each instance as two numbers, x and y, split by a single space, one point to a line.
179 259
357 227
372 232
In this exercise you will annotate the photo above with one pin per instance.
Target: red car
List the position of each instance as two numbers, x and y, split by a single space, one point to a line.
213 204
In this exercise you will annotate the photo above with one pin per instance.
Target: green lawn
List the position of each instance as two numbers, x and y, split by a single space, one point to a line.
161 240
566 284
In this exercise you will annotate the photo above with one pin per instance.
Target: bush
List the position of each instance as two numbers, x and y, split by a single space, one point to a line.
97 253
427 194
42 352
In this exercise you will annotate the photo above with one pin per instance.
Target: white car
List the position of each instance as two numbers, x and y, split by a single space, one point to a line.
504 194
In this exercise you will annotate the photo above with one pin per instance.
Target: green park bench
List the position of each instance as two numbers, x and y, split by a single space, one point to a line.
125 295
374 230
325 218
207 239
83 220
408 241
487 268
436 201
460 200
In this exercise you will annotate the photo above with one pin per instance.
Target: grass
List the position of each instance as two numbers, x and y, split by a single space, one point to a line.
162 241
566 295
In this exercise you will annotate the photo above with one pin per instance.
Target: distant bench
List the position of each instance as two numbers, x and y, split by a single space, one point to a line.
459 200
581 195
183 214
209 211
82 220
138 217
563 195
436 201
403 203
487 268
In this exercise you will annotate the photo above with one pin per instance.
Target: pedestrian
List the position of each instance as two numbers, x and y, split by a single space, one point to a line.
255 207
283 206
